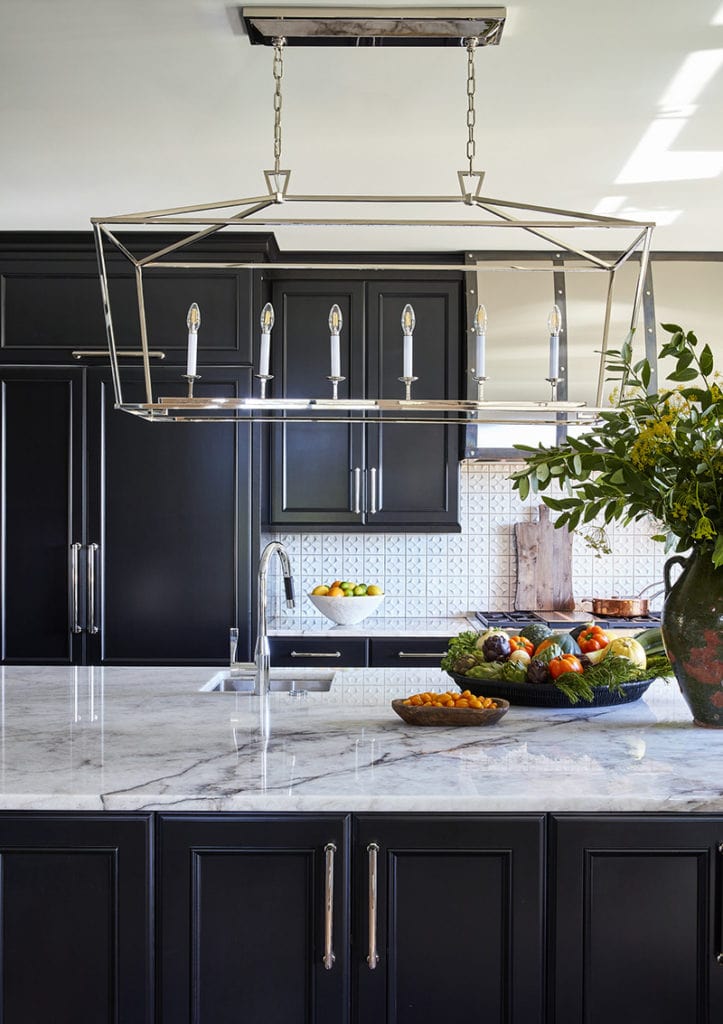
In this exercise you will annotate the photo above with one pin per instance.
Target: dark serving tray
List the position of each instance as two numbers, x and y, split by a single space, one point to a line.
547 695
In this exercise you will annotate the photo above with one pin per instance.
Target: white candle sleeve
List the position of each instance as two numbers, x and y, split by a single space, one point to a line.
191 362
335 356
408 349
479 355
264 355
554 356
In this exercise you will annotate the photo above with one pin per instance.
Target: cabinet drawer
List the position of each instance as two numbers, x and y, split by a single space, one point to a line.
311 651
401 652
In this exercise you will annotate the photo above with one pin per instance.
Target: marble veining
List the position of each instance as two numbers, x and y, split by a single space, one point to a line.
146 739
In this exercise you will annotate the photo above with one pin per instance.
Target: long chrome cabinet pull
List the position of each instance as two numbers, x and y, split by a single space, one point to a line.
75 584
87 353
329 958
92 551
356 502
719 956
373 957
315 654
421 654
373 507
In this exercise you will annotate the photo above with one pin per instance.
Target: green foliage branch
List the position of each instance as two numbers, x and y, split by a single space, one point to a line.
656 454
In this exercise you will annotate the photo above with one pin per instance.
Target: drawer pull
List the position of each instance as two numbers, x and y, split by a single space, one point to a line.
373 957
315 654
421 654
329 958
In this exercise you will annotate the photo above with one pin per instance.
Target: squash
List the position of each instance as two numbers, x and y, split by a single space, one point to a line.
566 643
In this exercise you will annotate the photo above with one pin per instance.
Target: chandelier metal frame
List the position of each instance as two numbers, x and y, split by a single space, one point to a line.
271 210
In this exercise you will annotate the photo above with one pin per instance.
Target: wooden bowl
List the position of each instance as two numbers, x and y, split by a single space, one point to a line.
450 716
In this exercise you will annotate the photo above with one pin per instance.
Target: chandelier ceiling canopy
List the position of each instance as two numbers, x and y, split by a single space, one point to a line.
465 207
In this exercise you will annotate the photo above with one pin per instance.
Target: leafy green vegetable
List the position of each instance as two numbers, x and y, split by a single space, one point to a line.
463 643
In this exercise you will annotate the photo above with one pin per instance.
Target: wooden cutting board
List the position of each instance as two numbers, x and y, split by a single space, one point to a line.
544 565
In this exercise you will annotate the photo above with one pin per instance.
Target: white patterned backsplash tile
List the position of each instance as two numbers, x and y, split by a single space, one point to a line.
451 574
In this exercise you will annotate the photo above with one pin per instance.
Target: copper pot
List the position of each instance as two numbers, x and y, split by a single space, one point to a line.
619 607
623 607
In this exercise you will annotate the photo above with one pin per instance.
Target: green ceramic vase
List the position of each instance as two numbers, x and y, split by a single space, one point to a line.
692 626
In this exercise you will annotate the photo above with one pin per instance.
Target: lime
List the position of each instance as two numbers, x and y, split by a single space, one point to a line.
360 590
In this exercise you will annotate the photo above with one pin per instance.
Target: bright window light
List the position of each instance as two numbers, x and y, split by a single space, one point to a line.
718 16
609 206
694 74
652 160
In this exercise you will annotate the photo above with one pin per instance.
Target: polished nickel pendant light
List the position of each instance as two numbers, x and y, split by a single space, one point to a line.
468 28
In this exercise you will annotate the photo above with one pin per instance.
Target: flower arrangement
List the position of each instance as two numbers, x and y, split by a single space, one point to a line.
656 454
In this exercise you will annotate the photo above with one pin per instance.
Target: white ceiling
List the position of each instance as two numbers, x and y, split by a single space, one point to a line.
111 106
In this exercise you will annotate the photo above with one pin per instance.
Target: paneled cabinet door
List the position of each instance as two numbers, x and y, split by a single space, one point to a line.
75 899
449 924
412 469
254 919
638 917
317 469
170 513
42 549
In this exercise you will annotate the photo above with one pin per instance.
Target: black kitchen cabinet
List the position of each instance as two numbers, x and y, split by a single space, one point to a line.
373 476
636 919
42 514
248 913
76 908
170 511
311 651
457 906
51 309
125 542
401 652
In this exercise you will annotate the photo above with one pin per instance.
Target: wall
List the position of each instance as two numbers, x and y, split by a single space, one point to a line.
451 574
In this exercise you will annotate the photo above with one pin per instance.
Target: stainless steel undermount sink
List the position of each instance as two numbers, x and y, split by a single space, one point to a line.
281 680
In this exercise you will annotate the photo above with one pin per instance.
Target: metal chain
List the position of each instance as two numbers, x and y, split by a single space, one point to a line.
279 44
471 44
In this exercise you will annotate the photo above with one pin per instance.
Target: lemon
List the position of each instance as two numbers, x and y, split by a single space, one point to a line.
374 590
320 591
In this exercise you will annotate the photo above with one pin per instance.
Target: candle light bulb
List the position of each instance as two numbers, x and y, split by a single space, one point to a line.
408 321
193 320
267 318
554 320
336 321
479 321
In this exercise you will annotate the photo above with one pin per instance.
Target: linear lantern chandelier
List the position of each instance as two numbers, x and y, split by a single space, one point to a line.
468 28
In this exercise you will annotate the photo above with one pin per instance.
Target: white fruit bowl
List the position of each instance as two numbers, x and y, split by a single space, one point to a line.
346 611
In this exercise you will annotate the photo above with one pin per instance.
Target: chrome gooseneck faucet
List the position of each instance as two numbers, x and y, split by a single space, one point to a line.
262 654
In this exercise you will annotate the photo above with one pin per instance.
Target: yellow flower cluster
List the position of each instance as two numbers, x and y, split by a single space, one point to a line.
652 442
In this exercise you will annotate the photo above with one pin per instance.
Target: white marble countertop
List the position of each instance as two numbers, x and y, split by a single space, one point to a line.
146 739
374 626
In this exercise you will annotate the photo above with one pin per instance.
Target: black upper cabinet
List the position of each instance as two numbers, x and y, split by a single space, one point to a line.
636 932
365 475
76 904
50 302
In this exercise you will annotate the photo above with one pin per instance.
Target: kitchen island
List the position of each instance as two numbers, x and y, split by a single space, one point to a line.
145 739
338 866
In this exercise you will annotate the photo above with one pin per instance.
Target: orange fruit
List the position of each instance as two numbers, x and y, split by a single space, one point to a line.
335 592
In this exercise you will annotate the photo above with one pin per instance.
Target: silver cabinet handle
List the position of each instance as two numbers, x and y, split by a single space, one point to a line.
356 503
373 490
329 958
373 957
75 584
421 654
719 956
315 654
87 353
92 551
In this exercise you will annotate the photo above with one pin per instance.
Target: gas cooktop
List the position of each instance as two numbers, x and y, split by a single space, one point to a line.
563 620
